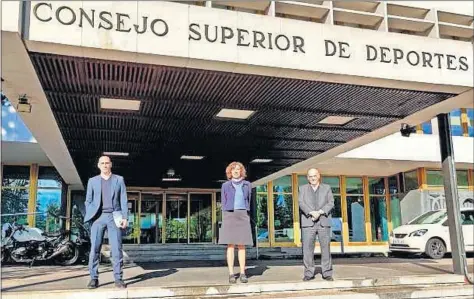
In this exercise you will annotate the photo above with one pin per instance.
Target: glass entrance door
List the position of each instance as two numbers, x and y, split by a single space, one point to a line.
200 219
176 218
151 218
133 230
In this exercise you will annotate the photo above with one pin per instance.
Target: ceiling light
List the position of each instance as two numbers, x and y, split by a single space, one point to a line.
336 120
221 181
261 161
235 113
185 157
171 179
119 104
115 154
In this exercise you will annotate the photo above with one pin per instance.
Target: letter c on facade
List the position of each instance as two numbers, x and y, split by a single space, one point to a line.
35 11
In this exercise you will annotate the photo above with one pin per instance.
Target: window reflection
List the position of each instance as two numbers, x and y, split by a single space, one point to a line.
355 210
151 218
262 213
395 210
15 193
411 180
48 201
283 206
13 127
456 126
200 225
470 122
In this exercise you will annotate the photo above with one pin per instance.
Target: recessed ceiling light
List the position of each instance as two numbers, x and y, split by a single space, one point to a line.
115 154
185 157
171 179
235 113
261 161
119 104
336 120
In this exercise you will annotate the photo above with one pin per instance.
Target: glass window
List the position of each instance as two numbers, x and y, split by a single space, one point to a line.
434 178
13 127
355 209
200 221
78 210
48 204
354 186
151 218
431 217
48 177
411 180
378 218
336 226
15 201
334 183
393 185
456 126
16 176
218 208
462 178
377 186
48 200
262 188
427 127
395 211
356 218
282 184
15 193
283 204
262 217
470 122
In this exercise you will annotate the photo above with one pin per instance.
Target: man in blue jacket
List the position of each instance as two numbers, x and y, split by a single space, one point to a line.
106 208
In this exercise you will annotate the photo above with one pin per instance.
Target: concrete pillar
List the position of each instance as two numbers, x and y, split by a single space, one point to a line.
451 194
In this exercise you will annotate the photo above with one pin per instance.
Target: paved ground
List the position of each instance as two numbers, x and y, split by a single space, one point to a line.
46 278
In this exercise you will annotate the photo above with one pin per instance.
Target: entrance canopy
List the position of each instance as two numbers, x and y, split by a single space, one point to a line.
173 91
291 121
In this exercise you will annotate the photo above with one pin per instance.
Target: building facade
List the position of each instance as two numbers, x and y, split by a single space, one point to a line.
304 84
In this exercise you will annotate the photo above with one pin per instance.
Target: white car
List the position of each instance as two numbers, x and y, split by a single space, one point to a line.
429 233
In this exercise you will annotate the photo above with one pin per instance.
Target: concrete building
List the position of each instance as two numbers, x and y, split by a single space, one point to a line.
175 91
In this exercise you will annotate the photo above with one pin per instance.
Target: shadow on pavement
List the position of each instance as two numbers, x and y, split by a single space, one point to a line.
146 276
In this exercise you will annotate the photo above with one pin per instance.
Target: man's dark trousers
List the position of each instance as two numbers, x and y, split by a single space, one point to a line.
106 220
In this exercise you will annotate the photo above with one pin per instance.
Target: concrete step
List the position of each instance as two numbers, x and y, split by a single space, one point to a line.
421 287
184 252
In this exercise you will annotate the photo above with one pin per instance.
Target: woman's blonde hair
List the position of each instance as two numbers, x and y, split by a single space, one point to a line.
231 166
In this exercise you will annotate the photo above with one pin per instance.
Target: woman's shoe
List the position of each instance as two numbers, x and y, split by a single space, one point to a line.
232 279
243 278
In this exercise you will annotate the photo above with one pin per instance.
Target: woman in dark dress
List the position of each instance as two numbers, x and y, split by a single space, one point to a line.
235 230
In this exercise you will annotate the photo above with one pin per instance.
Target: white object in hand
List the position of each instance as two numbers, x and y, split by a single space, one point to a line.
117 218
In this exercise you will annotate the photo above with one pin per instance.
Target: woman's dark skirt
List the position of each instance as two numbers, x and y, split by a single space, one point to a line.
235 228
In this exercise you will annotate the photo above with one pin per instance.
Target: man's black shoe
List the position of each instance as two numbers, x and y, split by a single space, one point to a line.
308 278
93 284
328 278
120 284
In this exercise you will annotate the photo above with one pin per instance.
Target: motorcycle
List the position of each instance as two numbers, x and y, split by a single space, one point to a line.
24 244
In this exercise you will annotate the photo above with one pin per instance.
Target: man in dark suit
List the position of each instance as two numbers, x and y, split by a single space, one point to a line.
316 203
106 208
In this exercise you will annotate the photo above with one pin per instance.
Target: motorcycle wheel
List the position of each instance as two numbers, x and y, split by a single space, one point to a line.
68 258
4 257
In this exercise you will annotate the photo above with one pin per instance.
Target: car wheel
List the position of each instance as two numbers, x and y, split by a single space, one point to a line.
435 248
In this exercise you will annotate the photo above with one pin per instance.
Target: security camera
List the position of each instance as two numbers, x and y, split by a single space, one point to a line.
406 130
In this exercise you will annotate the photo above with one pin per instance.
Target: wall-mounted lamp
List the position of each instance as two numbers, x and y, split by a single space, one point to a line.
23 105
